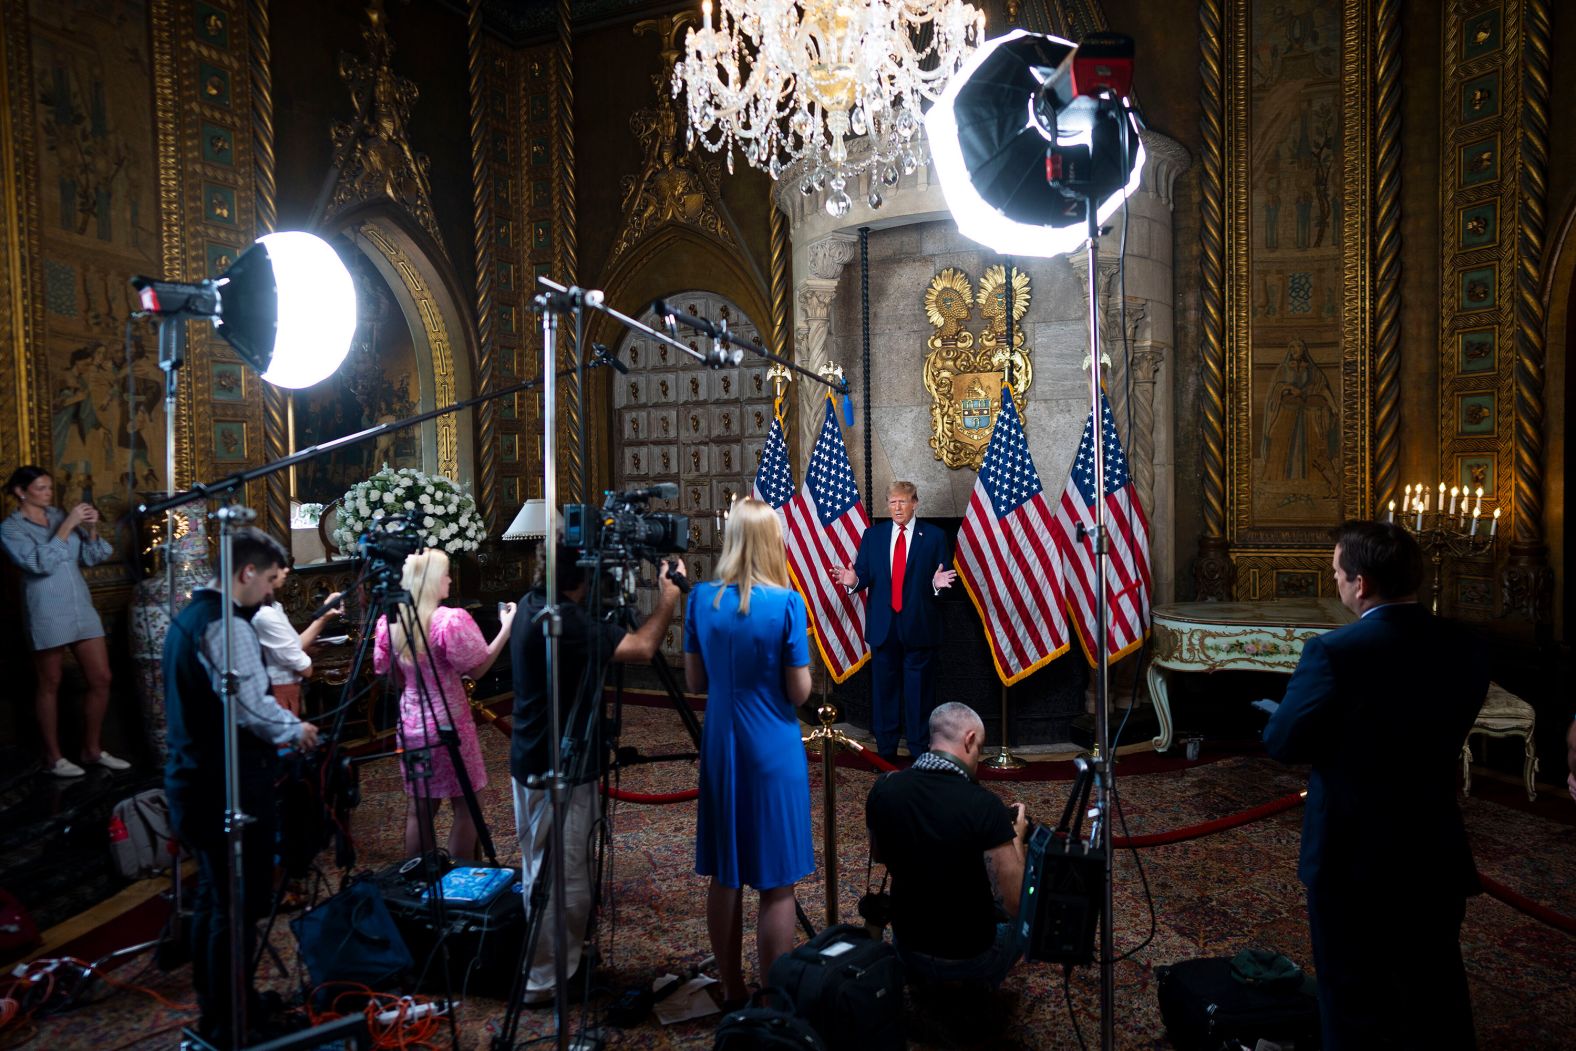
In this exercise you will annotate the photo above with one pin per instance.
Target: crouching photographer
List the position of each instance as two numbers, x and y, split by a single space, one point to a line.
587 645
955 853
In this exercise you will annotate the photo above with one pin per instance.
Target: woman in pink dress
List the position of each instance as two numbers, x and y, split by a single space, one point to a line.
457 647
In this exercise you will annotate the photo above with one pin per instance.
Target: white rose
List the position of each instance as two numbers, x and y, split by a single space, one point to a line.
388 498
427 521
410 505
378 514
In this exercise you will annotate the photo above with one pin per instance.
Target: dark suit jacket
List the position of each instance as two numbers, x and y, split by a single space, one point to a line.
1381 708
920 622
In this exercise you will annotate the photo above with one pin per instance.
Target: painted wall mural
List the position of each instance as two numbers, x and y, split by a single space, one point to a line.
1295 109
103 424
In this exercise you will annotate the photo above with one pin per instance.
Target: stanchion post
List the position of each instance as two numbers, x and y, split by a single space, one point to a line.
827 713
1004 759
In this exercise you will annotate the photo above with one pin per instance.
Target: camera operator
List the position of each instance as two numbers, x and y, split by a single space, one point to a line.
584 648
955 853
194 777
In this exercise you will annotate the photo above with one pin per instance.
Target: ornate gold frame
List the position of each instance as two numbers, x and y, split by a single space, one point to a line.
1368 332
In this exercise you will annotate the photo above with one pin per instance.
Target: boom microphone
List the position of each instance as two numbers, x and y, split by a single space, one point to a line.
606 357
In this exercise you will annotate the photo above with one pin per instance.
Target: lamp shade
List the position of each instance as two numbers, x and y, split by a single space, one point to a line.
530 523
288 307
990 151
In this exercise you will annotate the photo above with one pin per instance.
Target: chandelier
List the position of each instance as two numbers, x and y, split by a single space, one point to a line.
791 83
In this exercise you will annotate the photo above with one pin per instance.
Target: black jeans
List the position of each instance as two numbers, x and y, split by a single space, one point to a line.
210 927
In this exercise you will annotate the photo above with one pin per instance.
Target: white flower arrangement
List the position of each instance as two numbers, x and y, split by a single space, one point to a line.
444 512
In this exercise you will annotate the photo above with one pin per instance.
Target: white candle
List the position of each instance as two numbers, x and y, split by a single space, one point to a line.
705 14
1453 491
1406 499
1493 527
1474 524
1479 506
1419 507
1392 510
1441 505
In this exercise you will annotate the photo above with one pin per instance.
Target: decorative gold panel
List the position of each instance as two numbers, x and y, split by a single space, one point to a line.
964 378
1494 152
1293 180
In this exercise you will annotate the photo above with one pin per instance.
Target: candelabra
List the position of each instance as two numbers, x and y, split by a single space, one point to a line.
1440 530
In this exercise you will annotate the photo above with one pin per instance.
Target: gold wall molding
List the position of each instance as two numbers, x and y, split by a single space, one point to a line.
574 475
372 152
482 232
435 330
1289 261
21 320
675 184
277 430
963 375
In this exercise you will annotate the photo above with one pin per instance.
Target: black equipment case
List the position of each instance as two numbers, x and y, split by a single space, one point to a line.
483 940
1204 1005
847 985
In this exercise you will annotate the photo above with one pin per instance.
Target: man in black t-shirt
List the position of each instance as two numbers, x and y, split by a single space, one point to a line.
584 649
955 853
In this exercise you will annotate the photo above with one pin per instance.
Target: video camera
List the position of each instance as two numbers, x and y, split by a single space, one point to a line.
625 530
386 546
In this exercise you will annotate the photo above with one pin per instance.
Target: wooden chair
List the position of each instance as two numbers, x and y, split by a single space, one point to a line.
1503 715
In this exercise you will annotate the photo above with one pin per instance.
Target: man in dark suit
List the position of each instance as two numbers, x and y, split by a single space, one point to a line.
1380 708
905 564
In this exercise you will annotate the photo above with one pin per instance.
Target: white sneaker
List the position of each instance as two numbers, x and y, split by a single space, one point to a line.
110 762
66 768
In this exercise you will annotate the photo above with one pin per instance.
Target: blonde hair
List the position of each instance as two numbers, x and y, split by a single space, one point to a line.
423 579
752 551
906 488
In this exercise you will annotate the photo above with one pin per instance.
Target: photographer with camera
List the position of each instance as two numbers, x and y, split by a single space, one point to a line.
585 648
194 778
955 853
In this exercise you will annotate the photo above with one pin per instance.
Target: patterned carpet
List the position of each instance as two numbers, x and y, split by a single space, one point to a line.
1212 896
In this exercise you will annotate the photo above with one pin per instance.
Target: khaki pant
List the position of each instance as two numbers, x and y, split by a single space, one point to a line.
533 816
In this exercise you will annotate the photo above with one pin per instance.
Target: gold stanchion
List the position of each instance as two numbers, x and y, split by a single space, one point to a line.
1004 759
829 739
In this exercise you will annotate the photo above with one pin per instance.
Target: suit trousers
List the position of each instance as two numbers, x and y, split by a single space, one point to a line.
901 686
1389 969
533 816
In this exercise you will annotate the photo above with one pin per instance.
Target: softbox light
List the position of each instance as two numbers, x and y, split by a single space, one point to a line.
1004 129
287 306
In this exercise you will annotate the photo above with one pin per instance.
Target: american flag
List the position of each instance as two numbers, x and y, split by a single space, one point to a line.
774 477
825 523
1127 564
1007 554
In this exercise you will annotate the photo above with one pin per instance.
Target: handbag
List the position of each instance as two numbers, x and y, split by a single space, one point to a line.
757 1027
350 937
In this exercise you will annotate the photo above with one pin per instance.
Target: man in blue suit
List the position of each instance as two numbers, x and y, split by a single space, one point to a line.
1380 708
904 563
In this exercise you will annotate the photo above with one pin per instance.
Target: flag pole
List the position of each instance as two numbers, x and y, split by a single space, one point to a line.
1004 759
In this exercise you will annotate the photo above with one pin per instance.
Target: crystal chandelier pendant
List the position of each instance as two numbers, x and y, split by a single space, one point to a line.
828 88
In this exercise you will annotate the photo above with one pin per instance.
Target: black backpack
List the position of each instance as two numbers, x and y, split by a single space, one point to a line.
849 986
761 1028
1254 995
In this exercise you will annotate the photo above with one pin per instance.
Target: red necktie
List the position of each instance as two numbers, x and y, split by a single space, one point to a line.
899 563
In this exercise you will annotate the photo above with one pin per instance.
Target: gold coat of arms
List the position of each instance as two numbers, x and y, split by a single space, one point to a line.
964 376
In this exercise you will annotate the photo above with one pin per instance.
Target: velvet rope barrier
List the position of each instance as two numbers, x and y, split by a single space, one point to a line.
1523 904
1241 817
654 798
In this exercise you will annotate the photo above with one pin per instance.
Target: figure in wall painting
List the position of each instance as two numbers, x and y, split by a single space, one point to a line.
1301 439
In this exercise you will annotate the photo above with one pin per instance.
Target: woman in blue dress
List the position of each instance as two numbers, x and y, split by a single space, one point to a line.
746 644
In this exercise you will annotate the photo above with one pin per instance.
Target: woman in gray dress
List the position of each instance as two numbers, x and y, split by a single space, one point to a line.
47 543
